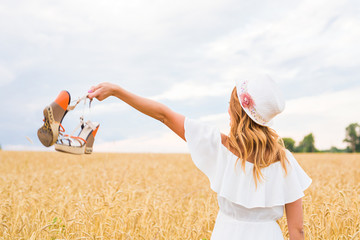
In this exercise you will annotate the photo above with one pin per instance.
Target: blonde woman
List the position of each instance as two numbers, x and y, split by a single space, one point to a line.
254 176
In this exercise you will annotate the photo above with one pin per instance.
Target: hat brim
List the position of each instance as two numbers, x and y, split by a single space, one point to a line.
247 111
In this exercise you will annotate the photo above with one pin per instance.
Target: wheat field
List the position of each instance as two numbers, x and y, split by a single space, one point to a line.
51 195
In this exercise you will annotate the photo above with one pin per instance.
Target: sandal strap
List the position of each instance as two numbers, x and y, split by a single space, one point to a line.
91 125
69 108
79 138
71 138
62 129
83 98
81 124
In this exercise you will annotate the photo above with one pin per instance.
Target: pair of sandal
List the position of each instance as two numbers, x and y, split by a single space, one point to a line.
52 132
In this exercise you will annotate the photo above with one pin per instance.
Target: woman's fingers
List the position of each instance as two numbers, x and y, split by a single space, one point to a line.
100 92
92 93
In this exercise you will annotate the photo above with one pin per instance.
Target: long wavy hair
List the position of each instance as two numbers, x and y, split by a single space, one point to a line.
251 141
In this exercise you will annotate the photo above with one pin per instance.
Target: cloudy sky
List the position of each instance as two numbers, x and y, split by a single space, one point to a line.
186 54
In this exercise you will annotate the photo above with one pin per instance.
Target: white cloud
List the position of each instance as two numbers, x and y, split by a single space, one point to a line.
221 121
99 108
165 142
326 116
332 104
6 76
311 37
192 90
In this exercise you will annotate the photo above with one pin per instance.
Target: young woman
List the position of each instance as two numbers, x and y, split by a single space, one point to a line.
254 176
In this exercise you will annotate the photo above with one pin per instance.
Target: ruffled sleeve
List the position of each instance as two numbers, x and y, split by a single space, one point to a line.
235 184
204 145
276 189
296 181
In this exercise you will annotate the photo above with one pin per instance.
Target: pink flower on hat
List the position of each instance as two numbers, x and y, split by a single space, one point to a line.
246 100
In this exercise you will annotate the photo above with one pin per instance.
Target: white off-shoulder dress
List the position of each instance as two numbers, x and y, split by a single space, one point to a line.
245 212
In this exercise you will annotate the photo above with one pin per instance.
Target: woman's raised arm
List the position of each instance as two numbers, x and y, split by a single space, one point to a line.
159 111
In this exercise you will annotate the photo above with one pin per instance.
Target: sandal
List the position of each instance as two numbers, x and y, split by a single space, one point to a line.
83 143
53 116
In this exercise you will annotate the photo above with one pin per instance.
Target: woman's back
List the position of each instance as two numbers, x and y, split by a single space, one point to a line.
248 209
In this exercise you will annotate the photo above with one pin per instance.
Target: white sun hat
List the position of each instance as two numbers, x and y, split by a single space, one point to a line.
261 98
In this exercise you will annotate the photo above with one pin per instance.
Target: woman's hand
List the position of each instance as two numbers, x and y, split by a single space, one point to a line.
102 91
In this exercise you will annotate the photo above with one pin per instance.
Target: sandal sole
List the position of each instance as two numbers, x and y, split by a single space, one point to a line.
49 132
70 149
88 150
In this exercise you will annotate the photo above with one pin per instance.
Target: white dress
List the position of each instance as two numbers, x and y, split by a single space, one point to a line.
245 212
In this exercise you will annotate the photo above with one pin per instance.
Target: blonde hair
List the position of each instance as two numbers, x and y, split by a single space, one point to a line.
251 141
